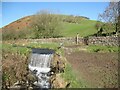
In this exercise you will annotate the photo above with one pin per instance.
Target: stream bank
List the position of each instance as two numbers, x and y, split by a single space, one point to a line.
18 76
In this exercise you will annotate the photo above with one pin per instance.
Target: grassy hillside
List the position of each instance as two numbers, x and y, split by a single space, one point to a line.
85 28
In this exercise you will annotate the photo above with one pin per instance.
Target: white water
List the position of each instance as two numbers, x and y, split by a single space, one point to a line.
41 63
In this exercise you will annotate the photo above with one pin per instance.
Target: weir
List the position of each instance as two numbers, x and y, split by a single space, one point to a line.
40 65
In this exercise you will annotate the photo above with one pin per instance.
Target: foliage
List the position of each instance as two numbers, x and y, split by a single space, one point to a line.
110 18
11 34
45 25
72 19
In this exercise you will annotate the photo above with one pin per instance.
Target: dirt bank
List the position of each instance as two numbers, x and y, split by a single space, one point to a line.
97 69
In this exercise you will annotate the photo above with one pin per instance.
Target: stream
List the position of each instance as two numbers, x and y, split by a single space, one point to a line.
40 62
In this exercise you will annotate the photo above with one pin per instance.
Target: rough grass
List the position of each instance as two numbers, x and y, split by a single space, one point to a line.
14 49
98 48
25 50
70 76
85 28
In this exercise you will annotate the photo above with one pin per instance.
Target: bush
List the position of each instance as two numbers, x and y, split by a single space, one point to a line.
11 34
45 25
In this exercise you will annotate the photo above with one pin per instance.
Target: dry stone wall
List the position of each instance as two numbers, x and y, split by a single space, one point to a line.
106 41
68 40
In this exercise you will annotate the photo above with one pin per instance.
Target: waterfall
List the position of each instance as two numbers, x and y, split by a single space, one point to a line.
40 63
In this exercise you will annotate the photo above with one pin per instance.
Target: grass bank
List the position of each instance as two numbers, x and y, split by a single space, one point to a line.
70 76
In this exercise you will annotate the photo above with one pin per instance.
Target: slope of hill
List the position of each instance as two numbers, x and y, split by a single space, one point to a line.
84 28
18 24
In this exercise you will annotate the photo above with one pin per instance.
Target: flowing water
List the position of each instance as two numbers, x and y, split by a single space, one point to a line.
40 64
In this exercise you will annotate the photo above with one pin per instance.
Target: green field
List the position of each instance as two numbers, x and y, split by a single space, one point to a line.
85 28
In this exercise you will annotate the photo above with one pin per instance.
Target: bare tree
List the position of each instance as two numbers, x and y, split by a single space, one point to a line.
110 17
